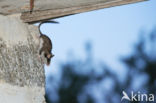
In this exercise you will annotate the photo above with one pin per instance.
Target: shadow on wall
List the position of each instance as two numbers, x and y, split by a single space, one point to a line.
91 82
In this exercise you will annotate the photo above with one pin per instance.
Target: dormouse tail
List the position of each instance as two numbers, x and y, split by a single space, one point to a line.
42 22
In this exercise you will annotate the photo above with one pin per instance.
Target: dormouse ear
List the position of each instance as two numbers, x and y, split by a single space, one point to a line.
49 56
52 55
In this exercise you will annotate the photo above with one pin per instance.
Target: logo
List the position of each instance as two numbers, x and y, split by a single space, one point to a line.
137 96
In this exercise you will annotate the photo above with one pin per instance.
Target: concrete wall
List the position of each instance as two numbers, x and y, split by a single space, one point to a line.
22 78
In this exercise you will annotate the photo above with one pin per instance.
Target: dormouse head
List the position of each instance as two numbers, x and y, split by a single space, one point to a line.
49 56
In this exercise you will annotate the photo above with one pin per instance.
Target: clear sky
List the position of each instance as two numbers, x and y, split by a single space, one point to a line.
113 32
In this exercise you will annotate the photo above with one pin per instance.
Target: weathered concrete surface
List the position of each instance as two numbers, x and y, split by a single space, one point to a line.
18 6
22 78
49 9
13 30
60 8
16 94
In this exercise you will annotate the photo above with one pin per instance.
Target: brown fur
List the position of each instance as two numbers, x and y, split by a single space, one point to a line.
45 44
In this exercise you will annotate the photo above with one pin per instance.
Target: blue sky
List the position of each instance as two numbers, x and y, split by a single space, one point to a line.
113 32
